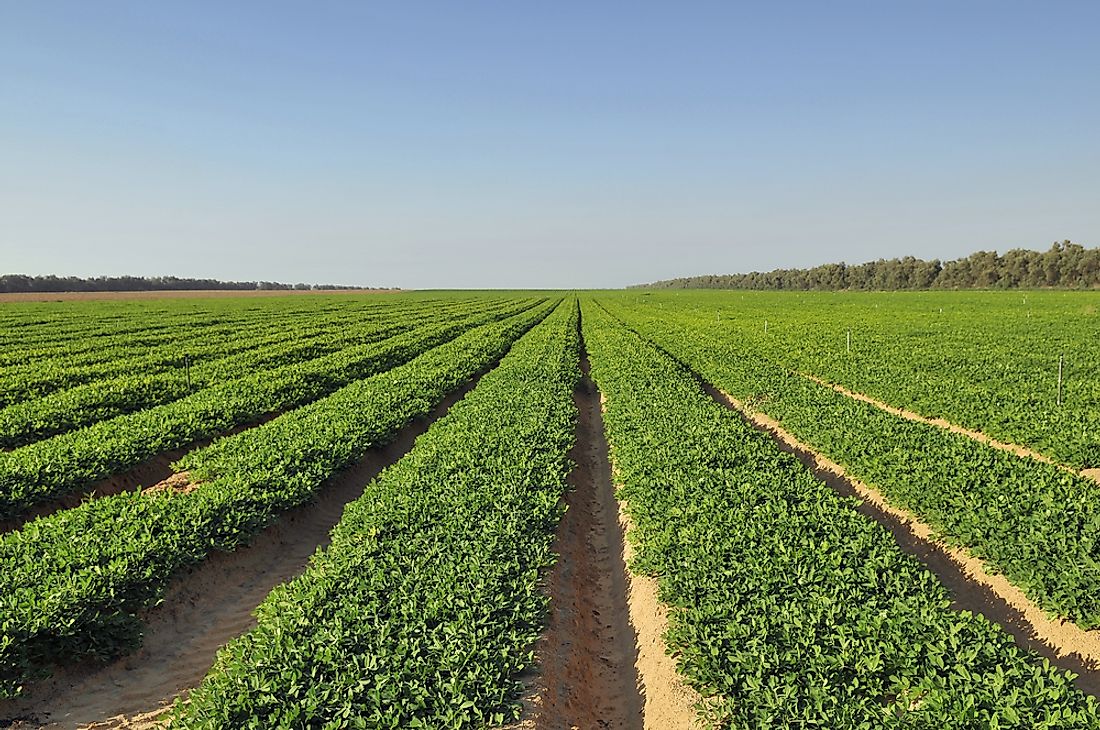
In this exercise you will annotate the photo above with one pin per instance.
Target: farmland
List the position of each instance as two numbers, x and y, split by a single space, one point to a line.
628 509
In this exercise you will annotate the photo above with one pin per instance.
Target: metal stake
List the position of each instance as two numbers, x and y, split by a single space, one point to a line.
1061 362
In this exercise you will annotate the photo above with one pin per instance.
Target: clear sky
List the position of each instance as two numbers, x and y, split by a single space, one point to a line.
539 144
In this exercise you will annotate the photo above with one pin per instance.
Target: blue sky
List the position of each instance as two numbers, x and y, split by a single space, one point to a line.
522 144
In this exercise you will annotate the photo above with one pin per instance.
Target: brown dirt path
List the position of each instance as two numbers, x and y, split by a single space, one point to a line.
586 676
602 661
203 609
1065 644
1016 449
668 703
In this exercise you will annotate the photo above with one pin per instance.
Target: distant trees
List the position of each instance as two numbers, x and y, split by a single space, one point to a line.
1065 265
11 283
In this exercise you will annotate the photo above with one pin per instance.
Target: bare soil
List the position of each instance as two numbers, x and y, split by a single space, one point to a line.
668 703
181 294
1016 449
586 676
204 608
602 661
179 483
971 587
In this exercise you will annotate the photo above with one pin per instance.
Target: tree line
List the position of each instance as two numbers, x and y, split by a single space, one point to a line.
18 283
1065 265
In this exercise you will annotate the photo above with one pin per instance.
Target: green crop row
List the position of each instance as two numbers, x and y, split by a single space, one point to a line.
48 330
1032 521
200 343
112 358
988 361
72 461
67 410
83 331
787 607
425 607
74 582
93 340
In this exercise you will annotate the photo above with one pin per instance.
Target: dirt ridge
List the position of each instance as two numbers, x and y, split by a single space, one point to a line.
668 702
602 661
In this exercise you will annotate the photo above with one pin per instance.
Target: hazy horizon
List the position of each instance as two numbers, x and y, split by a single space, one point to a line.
566 146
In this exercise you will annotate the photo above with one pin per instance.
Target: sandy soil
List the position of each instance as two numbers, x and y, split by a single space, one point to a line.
668 704
179 483
586 676
602 661
203 609
183 294
973 589
142 476
1016 449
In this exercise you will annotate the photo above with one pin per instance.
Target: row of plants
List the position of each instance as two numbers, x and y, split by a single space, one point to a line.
79 329
424 609
89 339
120 356
75 582
72 461
67 410
988 361
47 328
1033 522
199 343
979 378
787 608
82 405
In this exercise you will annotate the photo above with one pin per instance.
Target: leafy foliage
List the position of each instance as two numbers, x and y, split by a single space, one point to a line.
57 351
423 609
1032 521
74 582
1065 265
788 608
984 360
74 460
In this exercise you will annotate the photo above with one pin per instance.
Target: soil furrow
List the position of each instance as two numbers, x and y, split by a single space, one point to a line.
588 654
204 609
943 423
1066 645
602 661
1062 642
